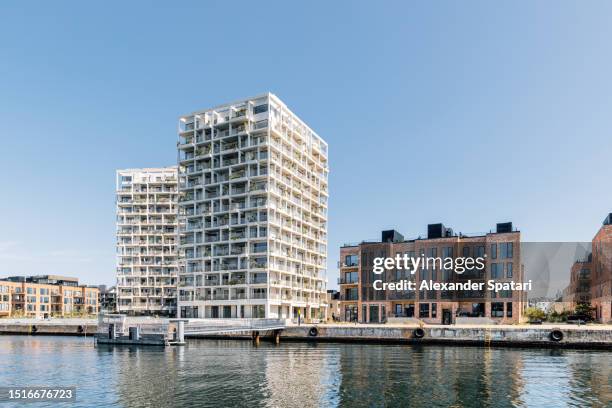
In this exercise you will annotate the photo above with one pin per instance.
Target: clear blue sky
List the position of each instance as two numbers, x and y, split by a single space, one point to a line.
467 113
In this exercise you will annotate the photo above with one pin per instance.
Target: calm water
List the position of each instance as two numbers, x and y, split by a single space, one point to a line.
234 373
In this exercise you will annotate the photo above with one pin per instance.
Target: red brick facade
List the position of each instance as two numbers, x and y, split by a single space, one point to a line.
360 302
601 287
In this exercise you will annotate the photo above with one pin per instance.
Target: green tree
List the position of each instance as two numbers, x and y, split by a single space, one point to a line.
533 313
584 309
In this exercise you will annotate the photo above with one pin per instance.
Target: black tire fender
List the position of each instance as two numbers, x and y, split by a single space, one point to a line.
313 332
556 335
418 333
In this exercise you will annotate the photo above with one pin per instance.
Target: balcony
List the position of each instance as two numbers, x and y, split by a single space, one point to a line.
257 281
237 281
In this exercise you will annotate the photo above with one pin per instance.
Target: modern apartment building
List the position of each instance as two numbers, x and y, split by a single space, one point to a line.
601 274
501 249
147 266
107 299
45 296
253 210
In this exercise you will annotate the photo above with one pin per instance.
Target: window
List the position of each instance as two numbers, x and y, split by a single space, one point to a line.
424 310
497 270
374 318
351 260
447 252
352 294
494 251
434 310
260 109
480 250
433 252
350 313
466 251
509 309
351 277
497 309
398 310
509 270
507 250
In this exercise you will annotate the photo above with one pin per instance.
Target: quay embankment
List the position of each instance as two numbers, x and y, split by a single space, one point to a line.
549 336
544 336
53 327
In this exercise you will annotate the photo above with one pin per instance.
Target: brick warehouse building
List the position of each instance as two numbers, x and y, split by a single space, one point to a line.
579 288
601 275
360 302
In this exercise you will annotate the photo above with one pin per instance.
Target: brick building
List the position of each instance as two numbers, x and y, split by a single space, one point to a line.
46 295
601 275
579 288
501 250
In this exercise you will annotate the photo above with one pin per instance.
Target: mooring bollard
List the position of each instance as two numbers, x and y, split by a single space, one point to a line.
255 336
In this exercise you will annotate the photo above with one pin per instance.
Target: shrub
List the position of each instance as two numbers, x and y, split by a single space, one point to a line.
533 313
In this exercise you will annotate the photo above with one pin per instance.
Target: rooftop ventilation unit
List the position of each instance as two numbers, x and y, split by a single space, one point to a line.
504 227
392 236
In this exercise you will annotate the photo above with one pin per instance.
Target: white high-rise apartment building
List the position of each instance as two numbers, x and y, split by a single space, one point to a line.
253 213
147 265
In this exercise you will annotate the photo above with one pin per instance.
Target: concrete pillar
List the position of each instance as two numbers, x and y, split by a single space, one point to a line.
179 334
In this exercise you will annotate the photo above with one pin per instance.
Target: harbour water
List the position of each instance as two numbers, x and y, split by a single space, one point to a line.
219 373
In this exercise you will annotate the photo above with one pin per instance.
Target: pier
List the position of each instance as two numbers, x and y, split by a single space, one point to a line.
120 329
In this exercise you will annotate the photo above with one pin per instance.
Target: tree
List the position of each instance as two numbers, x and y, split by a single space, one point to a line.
533 313
584 309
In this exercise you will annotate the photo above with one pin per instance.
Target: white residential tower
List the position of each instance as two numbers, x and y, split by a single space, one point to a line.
252 213
147 271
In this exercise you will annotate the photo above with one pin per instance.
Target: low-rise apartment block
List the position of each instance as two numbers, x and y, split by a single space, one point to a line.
46 296
147 265
501 249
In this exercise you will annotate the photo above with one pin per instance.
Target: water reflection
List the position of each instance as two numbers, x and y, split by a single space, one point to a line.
234 373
